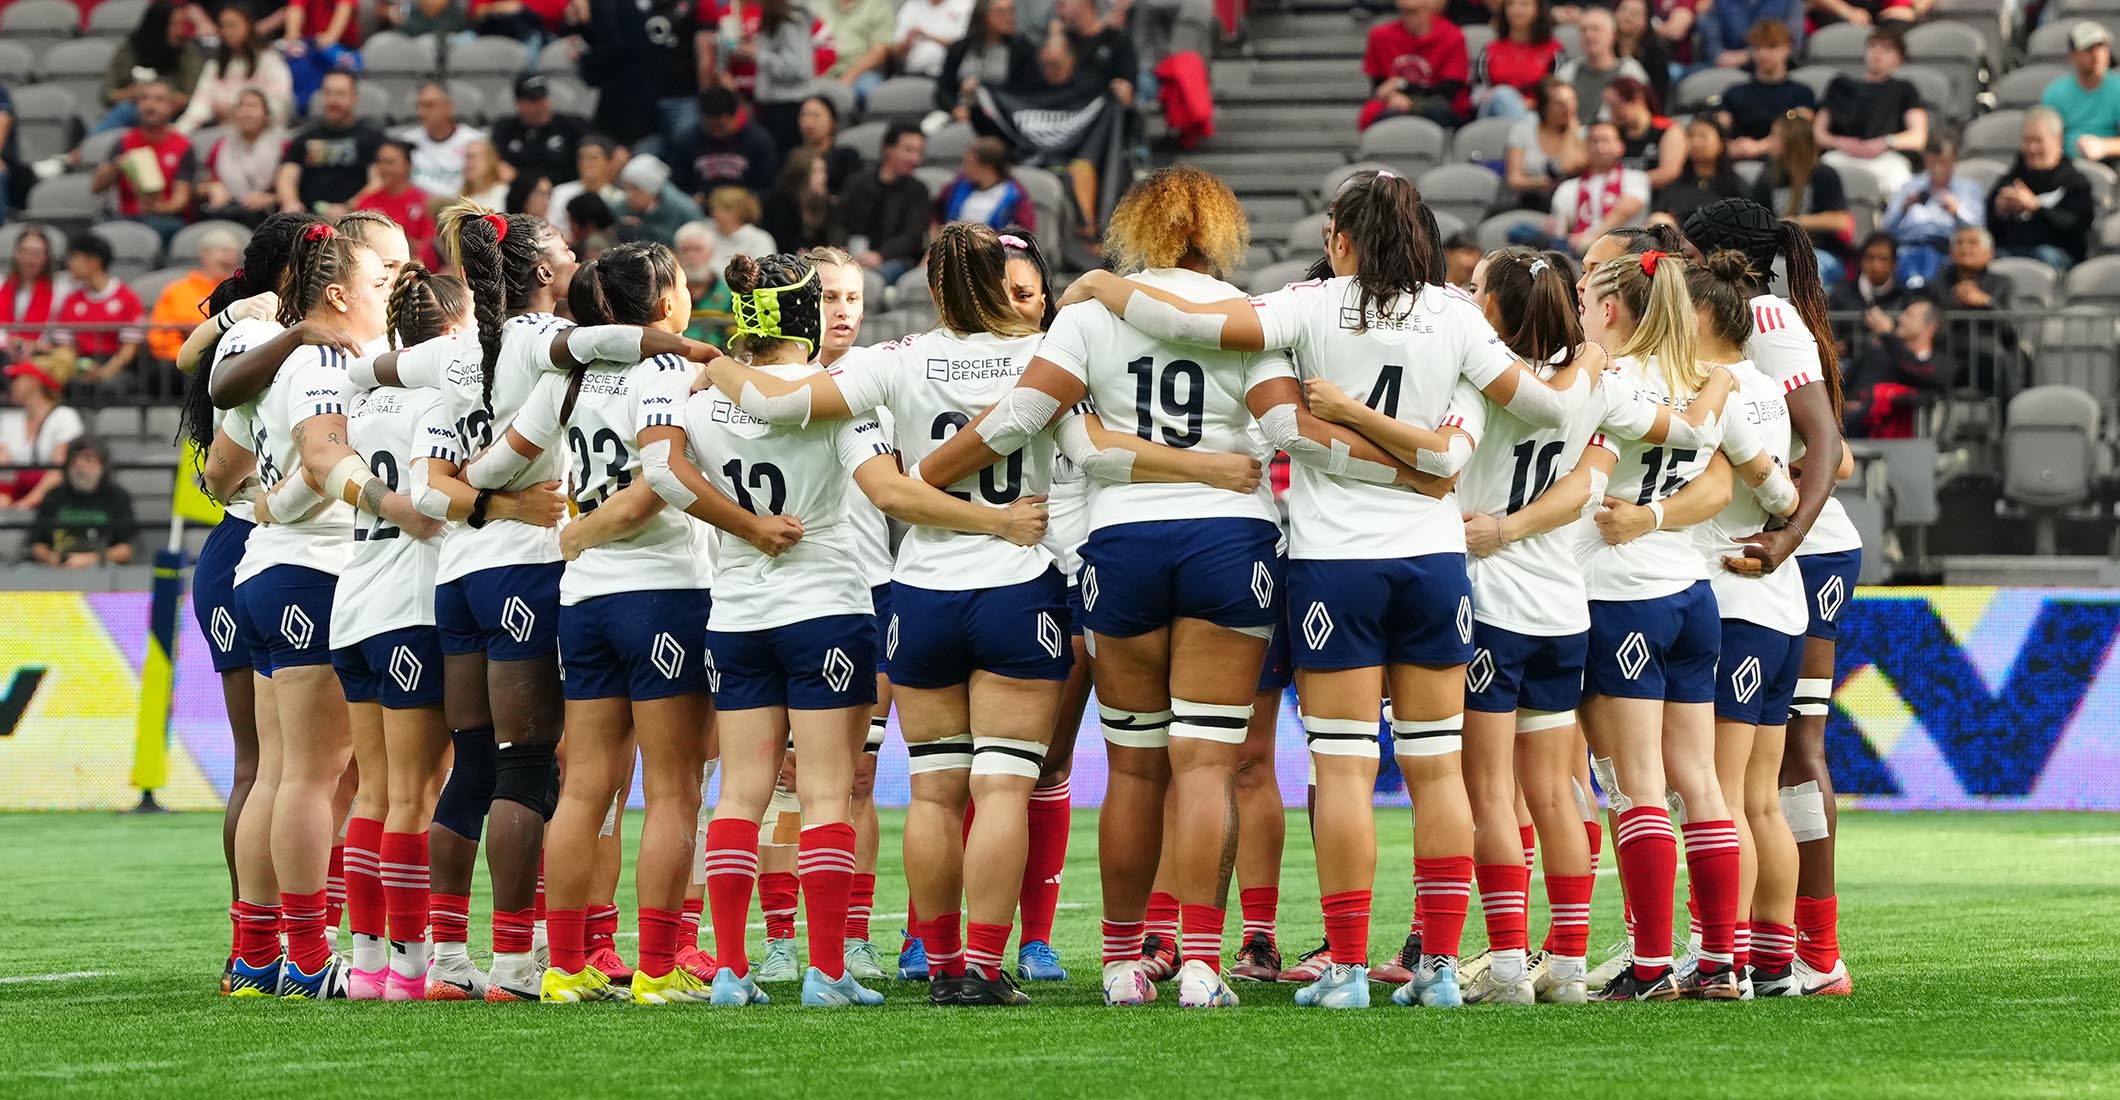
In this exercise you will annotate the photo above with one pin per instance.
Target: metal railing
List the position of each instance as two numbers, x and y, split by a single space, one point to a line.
1989 356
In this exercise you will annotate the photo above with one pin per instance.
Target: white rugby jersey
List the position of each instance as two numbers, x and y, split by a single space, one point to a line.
1532 586
803 472
312 382
1773 600
1067 514
388 582
455 365
1659 563
1784 350
934 384
241 337
1173 394
1406 363
874 528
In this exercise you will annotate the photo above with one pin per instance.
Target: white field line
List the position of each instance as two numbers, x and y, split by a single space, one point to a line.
66 976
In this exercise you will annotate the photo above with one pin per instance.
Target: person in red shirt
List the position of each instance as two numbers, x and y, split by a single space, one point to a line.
323 23
102 318
147 151
1417 65
1522 53
390 193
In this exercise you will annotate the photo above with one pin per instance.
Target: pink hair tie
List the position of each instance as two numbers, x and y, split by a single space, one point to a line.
1013 241
499 222
319 231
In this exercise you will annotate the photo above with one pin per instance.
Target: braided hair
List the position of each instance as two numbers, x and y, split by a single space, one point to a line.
968 278
1398 252
422 304
1018 243
798 296
498 254
322 257
264 260
1746 227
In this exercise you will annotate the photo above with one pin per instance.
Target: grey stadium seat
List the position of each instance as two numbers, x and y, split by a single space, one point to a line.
569 96
488 55
560 57
373 102
1465 191
2104 181
1305 236
150 286
902 98
2094 282
1815 77
1494 232
2050 42
1985 171
1275 276
40 24
64 198
97 148
935 177
1477 36
471 103
865 139
2021 88
115 18
388 53
947 145
134 248
1482 141
1996 135
1402 140
184 247
17 63
44 121
913 285
1049 198
842 96
2031 281
2051 455
1939 90
2107 239
1954 49
12 231
2078 348
1330 184
1838 46
1705 88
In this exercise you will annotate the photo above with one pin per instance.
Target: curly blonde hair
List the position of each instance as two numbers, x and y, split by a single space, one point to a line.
1175 213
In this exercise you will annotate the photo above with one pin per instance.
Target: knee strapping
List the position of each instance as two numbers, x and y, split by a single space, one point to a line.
468 792
1340 737
610 826
1814 696
947 754
1135 729
1429 737
1804 806
1218 722
1007 756
1608 778
1532 721
874 743
527 775
1676 803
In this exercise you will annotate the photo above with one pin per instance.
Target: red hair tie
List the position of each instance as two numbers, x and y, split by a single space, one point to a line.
1649 260
499 222
237 275
318 232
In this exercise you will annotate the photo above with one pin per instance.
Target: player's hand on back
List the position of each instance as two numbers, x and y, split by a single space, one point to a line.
1238 473
540 505
775 535
1619 522
1023 521
1329 402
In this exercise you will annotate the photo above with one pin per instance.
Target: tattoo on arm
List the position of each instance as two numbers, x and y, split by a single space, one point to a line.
372 495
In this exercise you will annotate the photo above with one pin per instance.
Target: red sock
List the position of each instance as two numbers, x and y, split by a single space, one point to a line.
1261 904
984 945
1122 940
912 920
1818 931
1442 893
777 893
1347 926
307 947
235 928
602 926
1692 910
1595 834
335 887
364 877
1648 865
826 860
1529 837
449 917
1044 862
688 921
1504 891
1741 947
1711 863
1773 945
404 864
658 941
566 933
1568 903
861 904
537 904
512 931
257 933
732 871
1163 916
1200 933
945 944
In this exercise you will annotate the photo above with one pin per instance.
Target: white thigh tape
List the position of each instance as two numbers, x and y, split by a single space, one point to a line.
1804 805
1217 722
610 826
1813 698
1310 770
1340 737
1532 721
947 754
1135 729
877 726
1004 756
1434 737
1608 779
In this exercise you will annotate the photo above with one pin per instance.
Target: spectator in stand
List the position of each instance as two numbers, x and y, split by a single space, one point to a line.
392 193
885 208
1876 289
510 19
1634 37
1523 52
1925 213
740 25
597 161
159 48
12 172
1654 144
1416 65
485 177
537 141
680 59
591 225
441 18
1104 52
1461 257
1675 23
1600 64
653 208
1161 28
1605 197
86 520
925 30
1878 121
240 63
1750 109
320 25
726 150
788 49
1725 26
1970 294
29 294
695 253
1704 175
35 435
1547 148
615 57
239 168
439 143
1868 13
327 161
152 167
178 310
101 319
1798 185
986 190
734 214
819 125
801 212
2088 99
863 32
1902 371
2042 207
990 53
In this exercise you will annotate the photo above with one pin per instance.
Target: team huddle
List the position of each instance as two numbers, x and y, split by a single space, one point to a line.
1546 537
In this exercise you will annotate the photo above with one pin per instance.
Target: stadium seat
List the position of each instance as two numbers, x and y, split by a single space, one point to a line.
1838 46
2104 182
2077 9
150 286
1275 276
1996 135
841 95
44 121
64 199
1404 140
1049 198
2051 454
865 139
560 57
1448 225
1985 171
935 177
1815 77
913 285
1305 235
184 247
902 99
471 102
947 145
373 102
2050 42
78 66
1570 38
388 53
1477 35
115 18
1465 191
1258 257
1945 98
17 63
2077 347
2107 238
1704 89
40 24
1494 232
491 62
568 93
2022 87
1330 184
97 148
134 249
2094 282
1482 141
872 288
1955 49
2031 281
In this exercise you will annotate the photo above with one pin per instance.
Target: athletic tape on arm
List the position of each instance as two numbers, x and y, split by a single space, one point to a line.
1599 482
292 499
788 408
1778 493
348 473
604 343
1021 413
1536 403
655 466
1114 466
426 499
1447 463
1167 322
1279 424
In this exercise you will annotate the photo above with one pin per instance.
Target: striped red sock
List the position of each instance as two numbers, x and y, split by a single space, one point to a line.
567 935
1260 905
303 918
449 917
257 933
1741 948
984 944
1595 834
1200 933
1044 861
1504 890
1442 894
861 905
1163 916
688 921
1648 865
732 872
404 869
1529 837
1347 926
777 894
537 904
1773 945
1711 864
512 930
1568 903
944 939
658 941
365 911
1122 940
602 926
335 887
1818 932
826 861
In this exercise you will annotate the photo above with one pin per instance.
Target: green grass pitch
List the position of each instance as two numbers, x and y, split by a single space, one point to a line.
1982 948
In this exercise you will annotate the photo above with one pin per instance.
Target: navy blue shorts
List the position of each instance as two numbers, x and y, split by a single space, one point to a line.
937 639
881 597
508 613
1529 671
401 669
1366 613
816 664
1828 585
213 596
291 608
1756 676
1138 577
1663 648
635 645
1074 608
